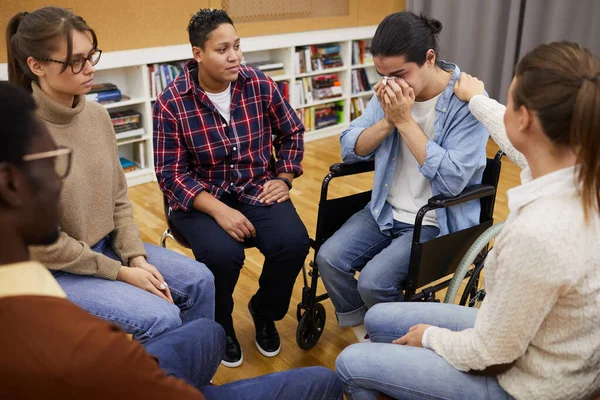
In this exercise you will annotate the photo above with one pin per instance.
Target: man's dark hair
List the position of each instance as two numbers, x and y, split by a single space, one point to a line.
203 23
17 113
407 34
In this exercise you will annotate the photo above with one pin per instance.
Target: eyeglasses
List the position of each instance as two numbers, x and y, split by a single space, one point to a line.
78 63
61 159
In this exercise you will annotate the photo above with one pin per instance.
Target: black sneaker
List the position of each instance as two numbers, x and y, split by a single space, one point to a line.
233 356
267 338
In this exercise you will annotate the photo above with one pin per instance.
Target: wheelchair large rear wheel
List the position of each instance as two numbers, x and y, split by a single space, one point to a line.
311 327
474 291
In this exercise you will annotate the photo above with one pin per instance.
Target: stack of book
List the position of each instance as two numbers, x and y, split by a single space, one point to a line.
317 88
161 76
360 81
321 116
357 107
317 58
326 87
127 165
268 67
104 93
126 123
361 53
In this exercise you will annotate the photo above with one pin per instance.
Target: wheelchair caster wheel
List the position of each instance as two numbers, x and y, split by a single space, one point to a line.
311 327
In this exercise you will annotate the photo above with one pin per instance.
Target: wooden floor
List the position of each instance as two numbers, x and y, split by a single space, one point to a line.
148 213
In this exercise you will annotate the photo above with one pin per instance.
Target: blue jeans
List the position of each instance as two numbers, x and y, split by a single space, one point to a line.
311 383
137 311
405 372
191 352
359 245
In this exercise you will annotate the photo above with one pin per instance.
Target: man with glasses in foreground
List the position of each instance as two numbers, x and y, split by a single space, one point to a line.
52 348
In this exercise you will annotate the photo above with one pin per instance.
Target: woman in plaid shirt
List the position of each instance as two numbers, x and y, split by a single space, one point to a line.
215 128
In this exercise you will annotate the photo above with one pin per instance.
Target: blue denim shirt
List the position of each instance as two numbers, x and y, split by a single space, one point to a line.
455 158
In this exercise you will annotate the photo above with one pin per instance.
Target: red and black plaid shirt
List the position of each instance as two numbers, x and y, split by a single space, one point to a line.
195 149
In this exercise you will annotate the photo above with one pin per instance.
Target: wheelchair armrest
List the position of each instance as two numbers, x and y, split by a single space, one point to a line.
343 169
470 193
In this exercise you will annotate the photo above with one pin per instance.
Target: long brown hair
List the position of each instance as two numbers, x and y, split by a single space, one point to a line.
560 82
37 34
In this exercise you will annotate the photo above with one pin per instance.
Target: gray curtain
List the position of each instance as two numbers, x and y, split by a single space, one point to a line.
547 21
481 36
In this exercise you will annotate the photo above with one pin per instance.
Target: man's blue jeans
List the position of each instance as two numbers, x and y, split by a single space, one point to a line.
359 245
136 311
311 383
193 352
404 372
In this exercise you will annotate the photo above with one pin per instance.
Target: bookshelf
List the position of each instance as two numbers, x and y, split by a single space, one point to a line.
321 72
130 102
128 70
367 93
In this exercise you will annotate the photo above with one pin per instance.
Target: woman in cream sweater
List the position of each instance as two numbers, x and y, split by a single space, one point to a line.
536 334
99 259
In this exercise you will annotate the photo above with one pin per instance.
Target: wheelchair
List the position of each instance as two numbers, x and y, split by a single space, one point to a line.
434 265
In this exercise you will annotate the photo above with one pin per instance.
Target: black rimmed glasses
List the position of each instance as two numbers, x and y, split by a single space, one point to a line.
78 63
61 159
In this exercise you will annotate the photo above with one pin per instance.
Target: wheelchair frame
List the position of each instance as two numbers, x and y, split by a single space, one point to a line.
310 312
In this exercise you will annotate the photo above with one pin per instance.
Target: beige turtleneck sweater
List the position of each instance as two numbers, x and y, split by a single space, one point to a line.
94 195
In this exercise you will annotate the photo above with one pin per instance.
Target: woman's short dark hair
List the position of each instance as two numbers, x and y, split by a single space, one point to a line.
203 23
407 34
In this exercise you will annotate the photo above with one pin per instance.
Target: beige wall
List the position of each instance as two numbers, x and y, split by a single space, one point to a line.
132 24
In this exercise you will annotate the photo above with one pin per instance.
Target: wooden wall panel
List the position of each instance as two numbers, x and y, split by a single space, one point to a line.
132 24
372 12
297 25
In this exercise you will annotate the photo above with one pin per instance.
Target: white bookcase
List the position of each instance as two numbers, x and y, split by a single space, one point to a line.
129 71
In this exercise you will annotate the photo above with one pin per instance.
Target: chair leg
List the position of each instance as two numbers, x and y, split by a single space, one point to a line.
163 239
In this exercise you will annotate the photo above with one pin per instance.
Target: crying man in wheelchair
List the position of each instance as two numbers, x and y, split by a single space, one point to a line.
424 143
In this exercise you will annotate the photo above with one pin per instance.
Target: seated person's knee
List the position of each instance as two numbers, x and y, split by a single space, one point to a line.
223 257
327 256
366 286
164 319
292 246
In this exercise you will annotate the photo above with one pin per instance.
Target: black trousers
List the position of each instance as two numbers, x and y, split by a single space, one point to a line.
280 236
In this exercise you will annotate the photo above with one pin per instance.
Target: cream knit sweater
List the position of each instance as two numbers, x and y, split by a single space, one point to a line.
94 195
542 310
